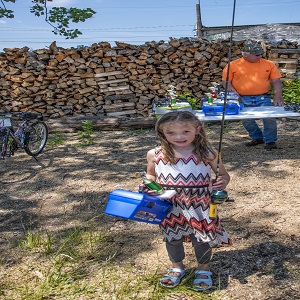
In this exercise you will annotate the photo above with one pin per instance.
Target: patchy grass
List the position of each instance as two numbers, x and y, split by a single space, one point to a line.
80 264
56 241
55 139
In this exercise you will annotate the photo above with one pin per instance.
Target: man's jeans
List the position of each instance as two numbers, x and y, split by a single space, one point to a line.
269 132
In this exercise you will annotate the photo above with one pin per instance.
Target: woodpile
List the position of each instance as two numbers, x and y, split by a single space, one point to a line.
116 82
74 124
286 60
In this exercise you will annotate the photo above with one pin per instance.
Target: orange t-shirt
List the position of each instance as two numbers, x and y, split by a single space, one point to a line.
251 78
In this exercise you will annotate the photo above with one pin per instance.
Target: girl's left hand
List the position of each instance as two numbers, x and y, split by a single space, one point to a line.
219 183
144 190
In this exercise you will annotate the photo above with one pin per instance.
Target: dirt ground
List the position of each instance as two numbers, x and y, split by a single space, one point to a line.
68 185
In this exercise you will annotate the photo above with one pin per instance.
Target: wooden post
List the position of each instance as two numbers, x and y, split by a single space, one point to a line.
199 23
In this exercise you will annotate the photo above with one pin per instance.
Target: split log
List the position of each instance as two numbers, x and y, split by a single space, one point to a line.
74 124
121 81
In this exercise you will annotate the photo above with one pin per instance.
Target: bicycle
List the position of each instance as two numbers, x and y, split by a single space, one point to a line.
31 134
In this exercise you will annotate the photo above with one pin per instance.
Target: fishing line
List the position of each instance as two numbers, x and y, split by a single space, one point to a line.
226 91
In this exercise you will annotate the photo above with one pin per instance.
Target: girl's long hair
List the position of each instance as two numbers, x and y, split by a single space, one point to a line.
202 146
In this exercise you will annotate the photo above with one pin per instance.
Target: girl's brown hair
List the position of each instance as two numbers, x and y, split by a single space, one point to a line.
201 143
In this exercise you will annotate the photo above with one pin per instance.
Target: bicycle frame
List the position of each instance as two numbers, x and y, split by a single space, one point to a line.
19 139
30 136
16 136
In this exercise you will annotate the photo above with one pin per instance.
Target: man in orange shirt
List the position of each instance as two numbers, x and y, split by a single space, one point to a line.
251 77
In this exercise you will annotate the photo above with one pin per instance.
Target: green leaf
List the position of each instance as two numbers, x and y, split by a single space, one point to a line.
59 18
291 91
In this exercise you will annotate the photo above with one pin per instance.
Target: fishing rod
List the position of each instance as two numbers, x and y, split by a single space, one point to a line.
226 91
220 196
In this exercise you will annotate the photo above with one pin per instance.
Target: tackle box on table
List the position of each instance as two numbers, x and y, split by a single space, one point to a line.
232 108
137 206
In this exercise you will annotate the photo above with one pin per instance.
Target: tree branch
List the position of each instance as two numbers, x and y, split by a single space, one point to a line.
57 17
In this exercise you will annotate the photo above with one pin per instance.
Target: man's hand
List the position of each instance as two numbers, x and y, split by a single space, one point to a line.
278 102
277 99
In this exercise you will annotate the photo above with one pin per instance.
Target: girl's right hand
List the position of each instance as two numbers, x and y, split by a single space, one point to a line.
219 183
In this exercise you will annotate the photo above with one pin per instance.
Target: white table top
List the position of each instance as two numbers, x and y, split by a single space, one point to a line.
251 113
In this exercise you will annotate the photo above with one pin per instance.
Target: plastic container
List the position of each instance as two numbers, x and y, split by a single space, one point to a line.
160 110
230 96
137 206
217 109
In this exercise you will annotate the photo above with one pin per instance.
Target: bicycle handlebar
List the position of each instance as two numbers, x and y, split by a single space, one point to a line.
22 115
30 116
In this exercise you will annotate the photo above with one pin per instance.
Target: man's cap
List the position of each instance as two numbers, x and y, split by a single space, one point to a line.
253 48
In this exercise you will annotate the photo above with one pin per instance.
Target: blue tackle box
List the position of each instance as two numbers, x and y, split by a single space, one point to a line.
137 206
232 108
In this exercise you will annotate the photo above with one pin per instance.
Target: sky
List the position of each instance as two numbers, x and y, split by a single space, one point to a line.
139 21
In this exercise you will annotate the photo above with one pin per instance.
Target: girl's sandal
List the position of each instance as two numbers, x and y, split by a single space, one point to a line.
174 279
207 281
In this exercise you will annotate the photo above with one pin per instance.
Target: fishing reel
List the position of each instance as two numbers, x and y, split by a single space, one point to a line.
217 197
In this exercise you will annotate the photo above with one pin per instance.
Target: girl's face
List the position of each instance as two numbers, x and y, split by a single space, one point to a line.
180 134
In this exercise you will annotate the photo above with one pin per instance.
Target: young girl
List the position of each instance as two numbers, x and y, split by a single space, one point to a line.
183 162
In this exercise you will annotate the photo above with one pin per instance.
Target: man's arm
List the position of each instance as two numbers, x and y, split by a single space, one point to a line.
277 85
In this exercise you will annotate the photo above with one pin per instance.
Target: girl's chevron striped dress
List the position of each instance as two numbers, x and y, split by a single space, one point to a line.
190 214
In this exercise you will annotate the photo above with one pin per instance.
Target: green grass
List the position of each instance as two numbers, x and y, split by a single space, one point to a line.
85 138
55 139
85 135
80 263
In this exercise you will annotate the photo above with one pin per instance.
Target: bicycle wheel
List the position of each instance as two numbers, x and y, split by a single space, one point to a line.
36 138
12 146
4 136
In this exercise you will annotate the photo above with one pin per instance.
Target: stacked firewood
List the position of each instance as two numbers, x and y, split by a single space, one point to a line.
286 60
100 80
